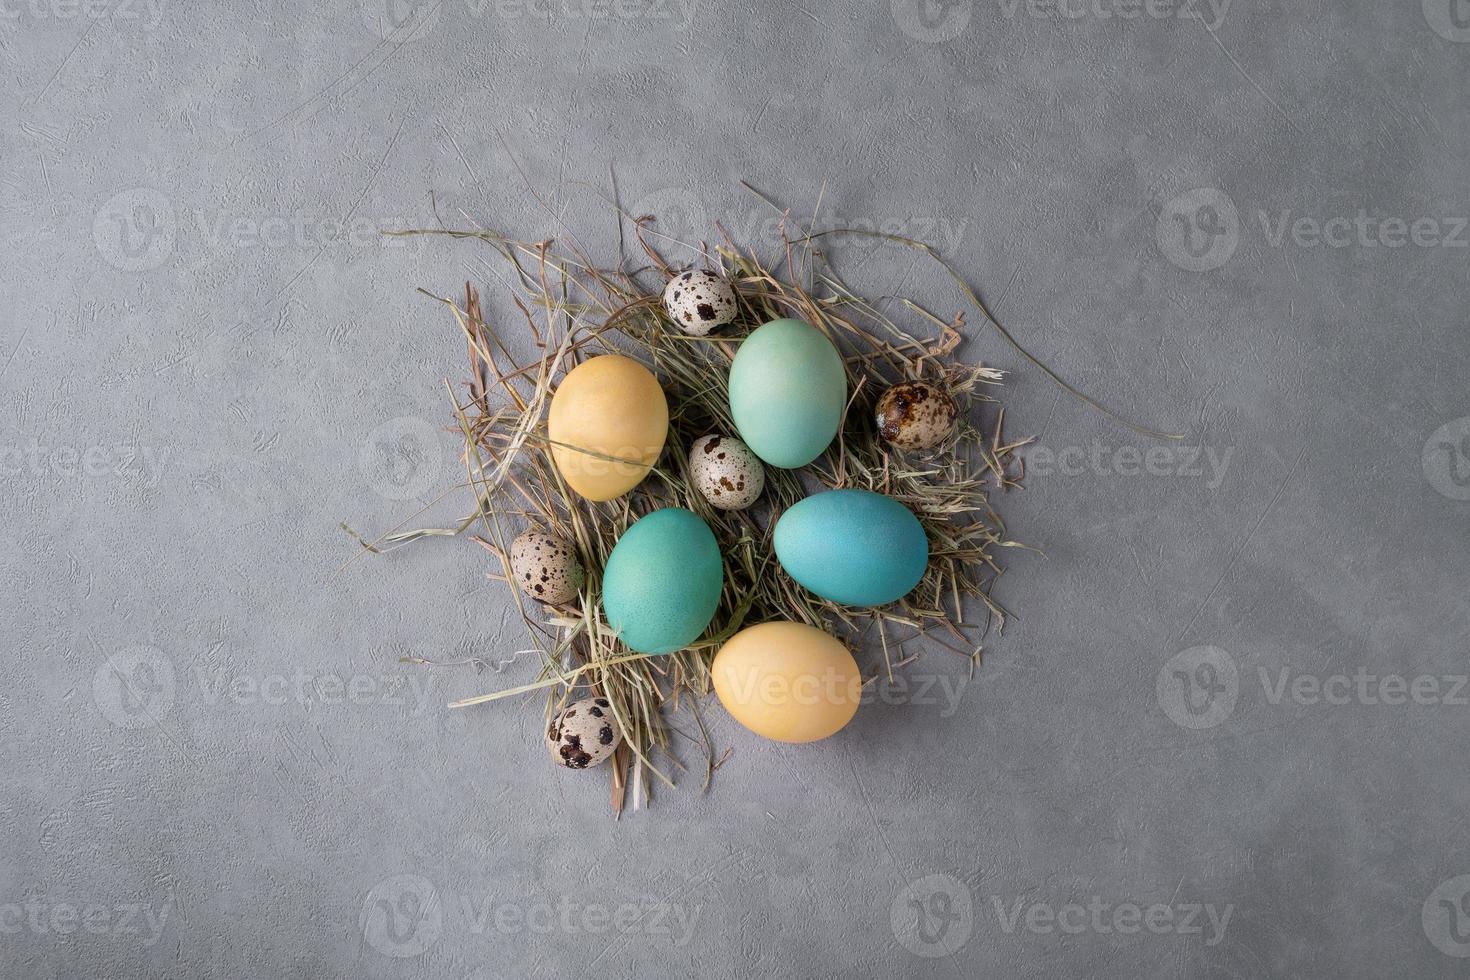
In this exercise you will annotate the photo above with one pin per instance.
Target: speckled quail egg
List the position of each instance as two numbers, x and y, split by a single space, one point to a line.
726 472
546 567
583 734
699 301
916 415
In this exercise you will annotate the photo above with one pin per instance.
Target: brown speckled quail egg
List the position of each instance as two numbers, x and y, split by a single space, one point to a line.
699 301
726 472
583 734
916 415
546 567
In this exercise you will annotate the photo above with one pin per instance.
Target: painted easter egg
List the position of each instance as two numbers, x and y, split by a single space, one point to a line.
662 582
607 425
787 681
855 547
787 392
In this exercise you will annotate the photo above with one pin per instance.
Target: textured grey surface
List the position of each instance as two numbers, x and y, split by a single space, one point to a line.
204 349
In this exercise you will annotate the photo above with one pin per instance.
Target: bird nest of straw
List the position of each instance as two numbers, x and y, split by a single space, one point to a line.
573 308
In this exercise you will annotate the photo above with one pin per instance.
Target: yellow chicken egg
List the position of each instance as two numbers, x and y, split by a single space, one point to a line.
787 681
610 406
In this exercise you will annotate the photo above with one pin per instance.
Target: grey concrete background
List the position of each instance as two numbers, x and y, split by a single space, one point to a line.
1225 735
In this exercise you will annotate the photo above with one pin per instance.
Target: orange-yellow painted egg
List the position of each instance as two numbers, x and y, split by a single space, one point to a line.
787 681
610 406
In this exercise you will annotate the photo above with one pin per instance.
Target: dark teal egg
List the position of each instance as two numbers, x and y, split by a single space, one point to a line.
855 547
662 582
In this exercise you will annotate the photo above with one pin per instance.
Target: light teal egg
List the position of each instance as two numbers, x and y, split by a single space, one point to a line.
662 582
787 391
855 547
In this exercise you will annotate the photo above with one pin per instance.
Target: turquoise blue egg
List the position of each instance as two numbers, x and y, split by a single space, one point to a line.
787 391
662 582
855 547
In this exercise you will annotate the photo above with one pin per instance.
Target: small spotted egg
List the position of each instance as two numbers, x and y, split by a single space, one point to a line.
583 734
726 472
916 415
546 567
699 301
